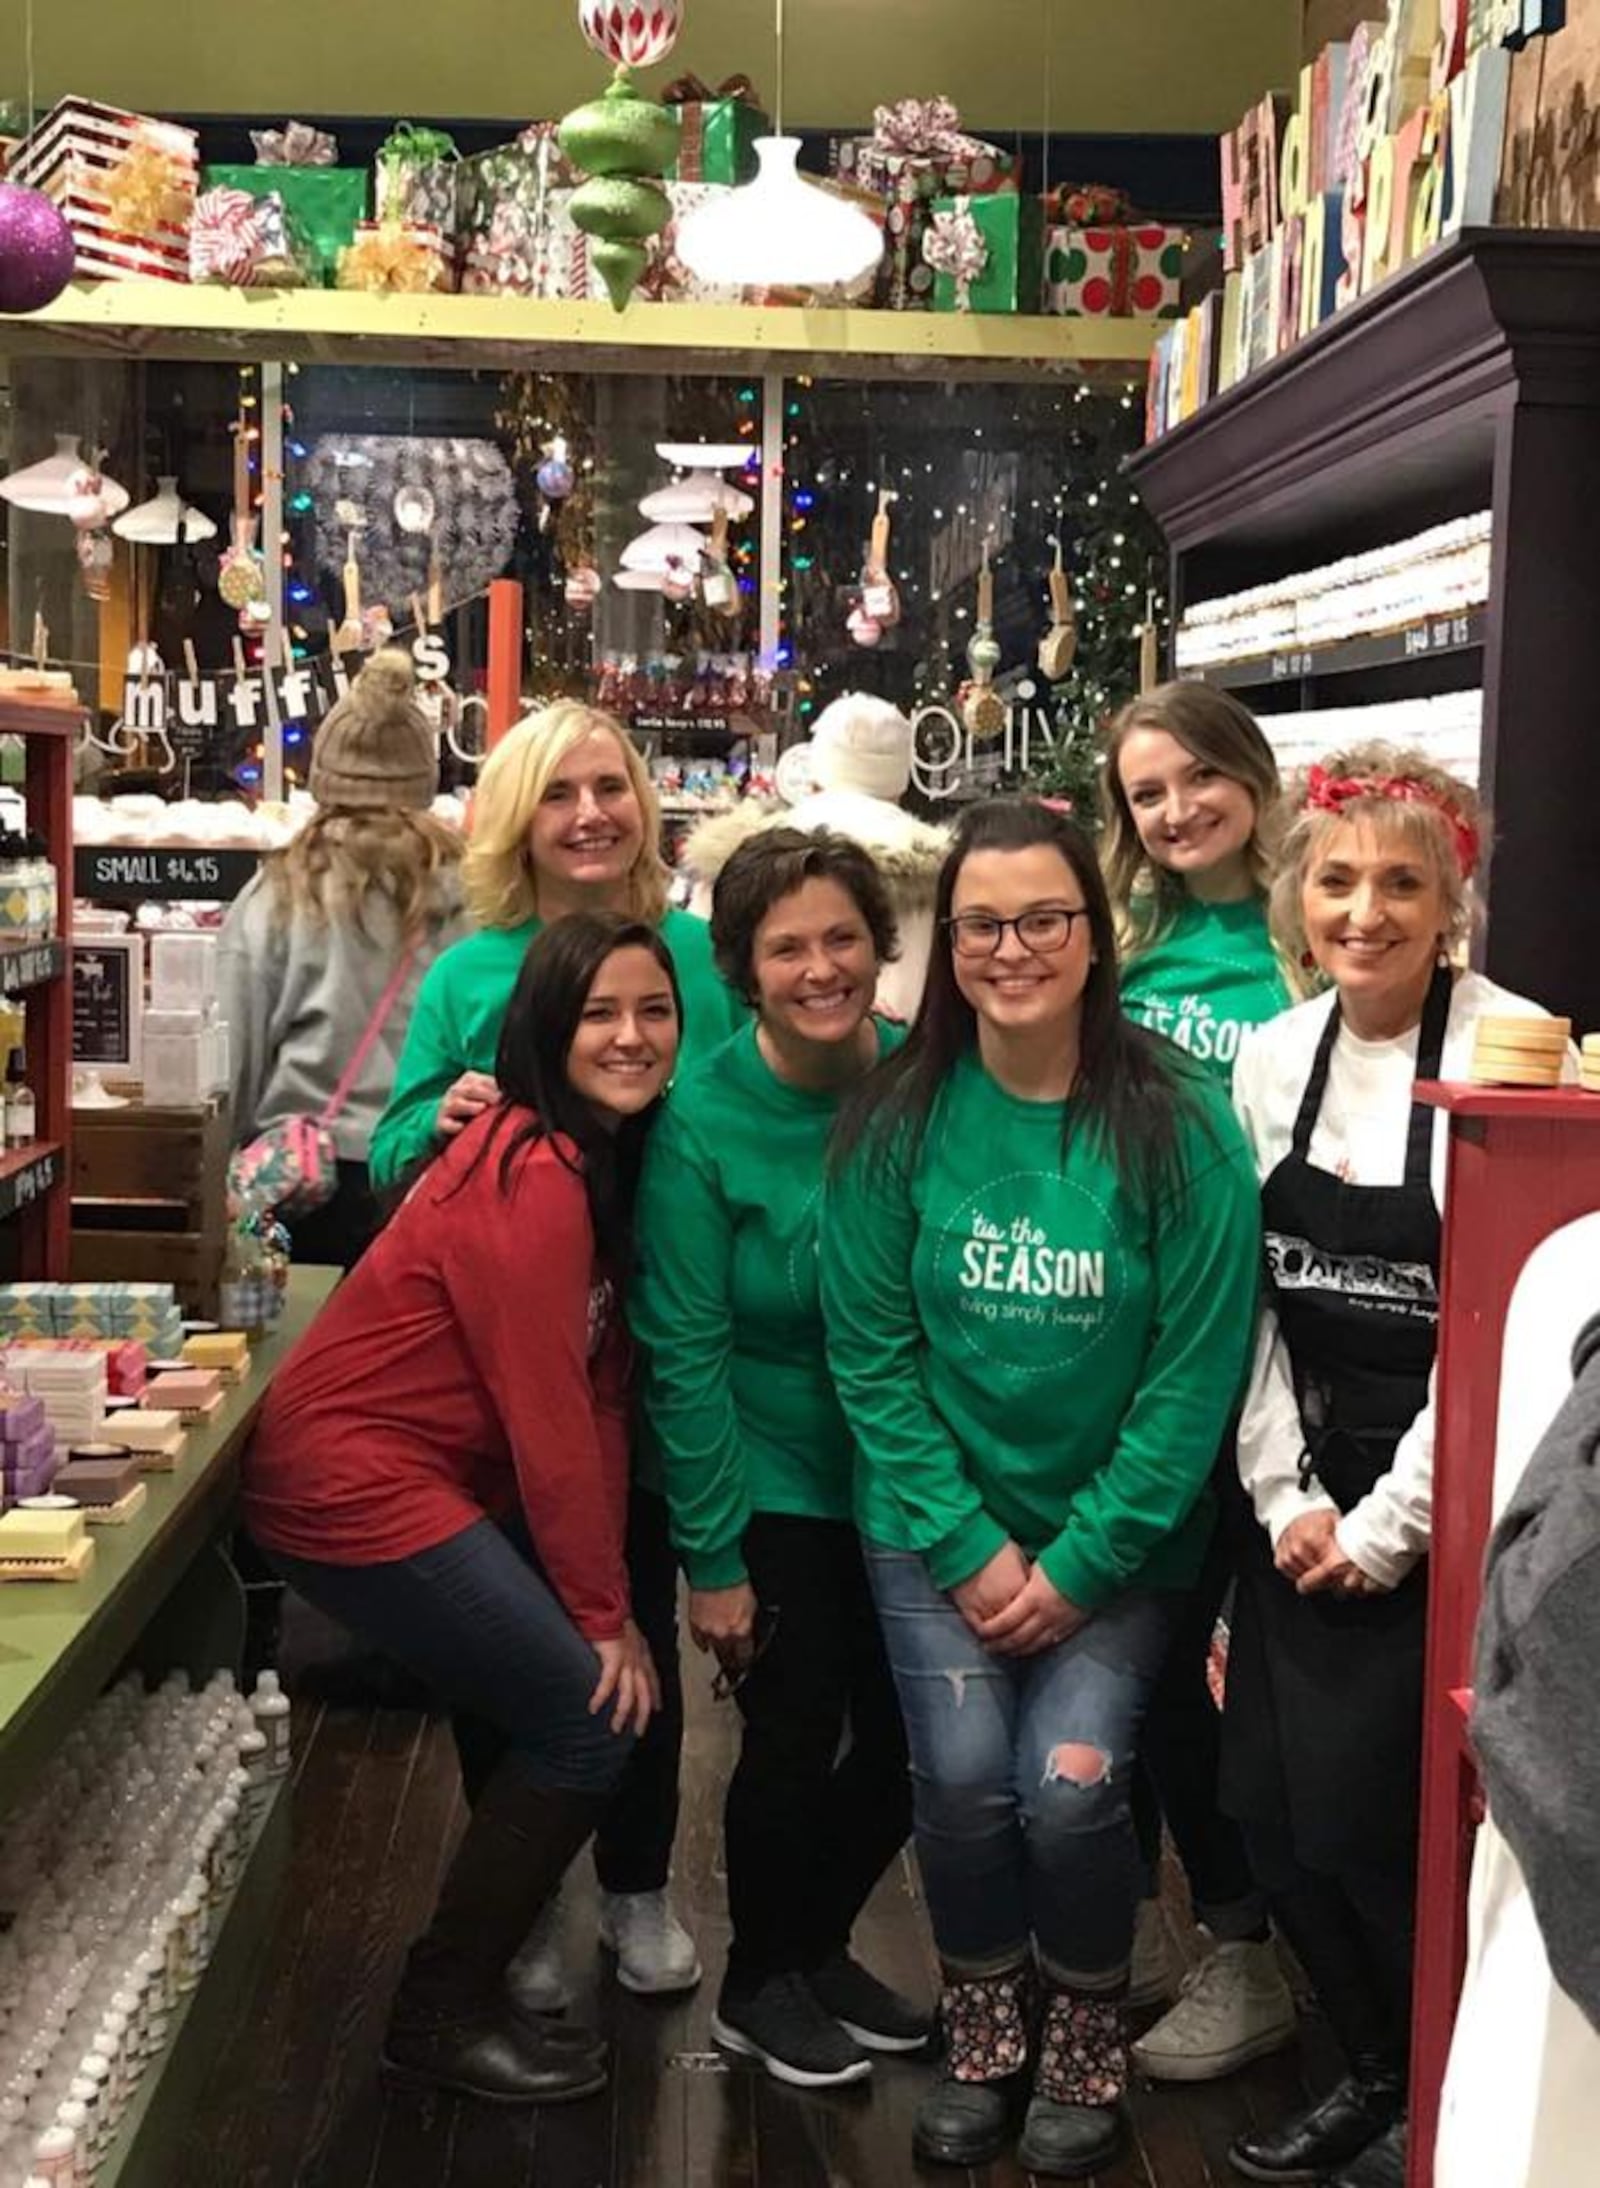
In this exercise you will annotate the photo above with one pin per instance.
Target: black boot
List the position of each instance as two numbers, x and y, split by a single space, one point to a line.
1365 2105
451 2026
1381 2165
966 2117
1075 2124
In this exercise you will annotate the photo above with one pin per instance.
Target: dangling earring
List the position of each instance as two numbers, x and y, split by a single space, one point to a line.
1307 961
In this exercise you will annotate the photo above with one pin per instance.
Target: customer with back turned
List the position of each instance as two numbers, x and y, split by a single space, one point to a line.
1038 1274
442 1465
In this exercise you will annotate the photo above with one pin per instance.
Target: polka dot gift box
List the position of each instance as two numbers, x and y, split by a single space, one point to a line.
1120 273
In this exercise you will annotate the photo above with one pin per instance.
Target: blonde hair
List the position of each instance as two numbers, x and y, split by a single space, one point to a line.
1216 728
1403 796
341 860
502 887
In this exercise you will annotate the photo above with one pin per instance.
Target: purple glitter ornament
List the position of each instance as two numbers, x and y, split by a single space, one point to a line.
554 478
36 250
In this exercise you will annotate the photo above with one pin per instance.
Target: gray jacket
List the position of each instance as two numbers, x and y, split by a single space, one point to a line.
1536 1719
297 994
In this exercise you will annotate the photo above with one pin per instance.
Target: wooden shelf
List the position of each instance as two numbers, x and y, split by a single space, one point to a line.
166 319
1434 636
59 1646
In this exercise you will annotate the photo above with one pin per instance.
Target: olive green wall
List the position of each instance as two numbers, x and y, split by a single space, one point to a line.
1132 66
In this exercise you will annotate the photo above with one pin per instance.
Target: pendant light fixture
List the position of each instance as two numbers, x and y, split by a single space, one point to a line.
166 520
663 548
779 231
57 484
696 500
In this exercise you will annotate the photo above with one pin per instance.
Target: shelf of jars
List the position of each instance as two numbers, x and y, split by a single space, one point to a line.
174 320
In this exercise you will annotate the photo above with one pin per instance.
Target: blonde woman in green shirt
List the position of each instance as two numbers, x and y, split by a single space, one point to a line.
758 1459
1192 810
1040 1251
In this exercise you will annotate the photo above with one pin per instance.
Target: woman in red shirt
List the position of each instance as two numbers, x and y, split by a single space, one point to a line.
443 1466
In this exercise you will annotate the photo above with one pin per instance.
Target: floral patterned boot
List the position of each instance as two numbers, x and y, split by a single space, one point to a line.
1074 2124
965 2118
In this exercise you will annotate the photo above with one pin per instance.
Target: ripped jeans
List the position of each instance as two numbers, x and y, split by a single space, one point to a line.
1021 1769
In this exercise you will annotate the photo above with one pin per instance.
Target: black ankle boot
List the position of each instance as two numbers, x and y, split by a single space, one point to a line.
451 2026
1381 2165
1075 2124
1365 2105
966 2117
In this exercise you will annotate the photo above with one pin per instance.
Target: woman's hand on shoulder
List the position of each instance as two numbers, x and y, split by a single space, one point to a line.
1037 1618
468 1097
628 1681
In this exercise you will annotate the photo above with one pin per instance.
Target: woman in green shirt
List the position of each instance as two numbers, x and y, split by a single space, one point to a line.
758 1459
1039 1268
565 819
1192 809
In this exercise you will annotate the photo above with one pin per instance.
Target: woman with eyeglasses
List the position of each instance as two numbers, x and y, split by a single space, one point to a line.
1039 1249
758 1460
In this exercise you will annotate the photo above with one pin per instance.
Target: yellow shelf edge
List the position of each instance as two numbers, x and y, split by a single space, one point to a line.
162 318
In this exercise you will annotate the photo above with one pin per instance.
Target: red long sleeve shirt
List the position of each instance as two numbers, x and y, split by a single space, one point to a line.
473 1359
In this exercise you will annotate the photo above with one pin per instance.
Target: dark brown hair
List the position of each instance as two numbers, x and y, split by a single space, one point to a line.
767 868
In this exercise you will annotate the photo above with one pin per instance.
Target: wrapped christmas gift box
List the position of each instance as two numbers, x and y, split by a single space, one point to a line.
717 129
397 258
1118 272
923 139
125 183
324 200
500 210
414 178
528 249
985 253
244 241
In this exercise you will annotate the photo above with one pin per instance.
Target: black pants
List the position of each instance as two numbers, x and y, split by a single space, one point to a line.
1354 1933
633 1846
811 1823
1180 1758
341 1230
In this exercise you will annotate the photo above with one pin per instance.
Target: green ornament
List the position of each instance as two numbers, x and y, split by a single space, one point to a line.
620 134
620 208
620 265
984 655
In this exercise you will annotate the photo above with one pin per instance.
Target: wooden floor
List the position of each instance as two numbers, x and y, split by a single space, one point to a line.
295 2098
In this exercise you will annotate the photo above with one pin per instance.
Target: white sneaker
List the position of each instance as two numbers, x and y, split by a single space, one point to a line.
1235 2006
1153 1976
655 1953
536 1982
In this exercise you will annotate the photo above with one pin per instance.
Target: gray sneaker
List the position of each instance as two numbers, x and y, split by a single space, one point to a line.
655 1953
1235 2006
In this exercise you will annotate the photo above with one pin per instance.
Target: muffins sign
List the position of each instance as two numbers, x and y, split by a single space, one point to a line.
632 33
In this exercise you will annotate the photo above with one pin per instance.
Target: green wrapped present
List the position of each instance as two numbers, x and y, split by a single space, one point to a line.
987 253
717 129
325 205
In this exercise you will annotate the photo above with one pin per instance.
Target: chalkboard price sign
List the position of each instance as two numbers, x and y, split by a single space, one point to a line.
129 874
107 1003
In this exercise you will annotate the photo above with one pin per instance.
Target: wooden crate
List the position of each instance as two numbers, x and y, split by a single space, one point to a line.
148 1199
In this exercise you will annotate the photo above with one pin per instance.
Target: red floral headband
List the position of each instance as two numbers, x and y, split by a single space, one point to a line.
1327 793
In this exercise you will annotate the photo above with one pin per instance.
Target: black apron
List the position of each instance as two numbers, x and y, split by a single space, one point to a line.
1323 1728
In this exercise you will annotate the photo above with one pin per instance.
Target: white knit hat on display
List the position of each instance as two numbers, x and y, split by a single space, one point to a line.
863 744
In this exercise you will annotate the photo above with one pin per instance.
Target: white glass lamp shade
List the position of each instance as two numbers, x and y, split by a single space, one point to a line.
696 500
664 547
779 231
640 581
707 455
166 520
47 486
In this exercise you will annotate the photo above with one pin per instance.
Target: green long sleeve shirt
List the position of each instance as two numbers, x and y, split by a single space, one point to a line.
725 1306
456 1019
1022 1353
1212 976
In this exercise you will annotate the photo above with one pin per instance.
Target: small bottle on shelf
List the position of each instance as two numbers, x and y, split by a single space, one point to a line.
21 1116
269 1705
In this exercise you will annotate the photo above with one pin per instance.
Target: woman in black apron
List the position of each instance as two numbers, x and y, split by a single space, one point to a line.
1323 1723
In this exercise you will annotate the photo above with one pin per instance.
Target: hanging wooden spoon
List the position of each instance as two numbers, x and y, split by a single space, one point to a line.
982 708
1059 646
347 637
1149 646
880 601
241 576
719 588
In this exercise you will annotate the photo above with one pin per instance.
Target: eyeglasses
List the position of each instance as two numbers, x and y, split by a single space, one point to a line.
728 1681
1044 932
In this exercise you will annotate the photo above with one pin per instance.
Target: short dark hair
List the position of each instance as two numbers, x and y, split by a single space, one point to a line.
774 864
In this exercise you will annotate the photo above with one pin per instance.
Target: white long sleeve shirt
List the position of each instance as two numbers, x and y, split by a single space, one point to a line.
1360 1135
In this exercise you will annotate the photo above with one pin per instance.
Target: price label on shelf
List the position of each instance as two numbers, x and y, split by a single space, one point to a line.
20 1188
28 965
114 874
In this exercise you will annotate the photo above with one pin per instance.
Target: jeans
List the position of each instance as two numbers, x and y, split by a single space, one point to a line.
1021 1768
809 1830
633 1846
476 1618
1181 1758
